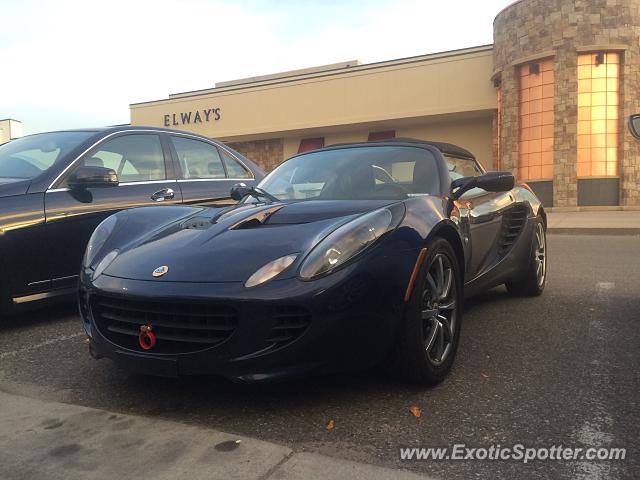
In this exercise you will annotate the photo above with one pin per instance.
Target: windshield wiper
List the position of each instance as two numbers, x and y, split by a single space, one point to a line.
258 193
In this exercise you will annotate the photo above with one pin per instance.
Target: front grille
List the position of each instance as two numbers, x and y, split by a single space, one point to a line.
289 322
179 327
512 222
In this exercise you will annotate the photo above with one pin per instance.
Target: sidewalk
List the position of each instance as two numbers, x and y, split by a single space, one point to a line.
47 440
594 222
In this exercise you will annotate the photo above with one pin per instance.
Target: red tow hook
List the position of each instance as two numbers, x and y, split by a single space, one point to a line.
146 338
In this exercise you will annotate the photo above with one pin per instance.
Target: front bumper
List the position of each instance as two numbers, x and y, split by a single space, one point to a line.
354 315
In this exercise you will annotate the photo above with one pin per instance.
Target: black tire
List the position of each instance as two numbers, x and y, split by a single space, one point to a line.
416 354
533 280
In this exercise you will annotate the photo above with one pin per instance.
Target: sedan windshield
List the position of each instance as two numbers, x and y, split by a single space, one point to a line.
356 173
28 157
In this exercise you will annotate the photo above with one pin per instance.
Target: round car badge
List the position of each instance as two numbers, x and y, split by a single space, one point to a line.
160 271
146 338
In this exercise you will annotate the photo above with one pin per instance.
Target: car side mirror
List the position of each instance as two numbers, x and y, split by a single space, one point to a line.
88 177
634 125
239 191
491 182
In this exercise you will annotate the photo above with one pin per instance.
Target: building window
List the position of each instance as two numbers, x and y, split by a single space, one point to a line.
382 135
536 121
308 144
598 114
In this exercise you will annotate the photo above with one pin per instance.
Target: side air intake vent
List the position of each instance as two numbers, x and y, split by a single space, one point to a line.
289 322
512 223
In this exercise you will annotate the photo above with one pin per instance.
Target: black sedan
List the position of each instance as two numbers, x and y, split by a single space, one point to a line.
55 188
341 258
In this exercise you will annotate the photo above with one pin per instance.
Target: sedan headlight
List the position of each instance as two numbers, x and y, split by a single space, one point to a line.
270 270
349 240
98 239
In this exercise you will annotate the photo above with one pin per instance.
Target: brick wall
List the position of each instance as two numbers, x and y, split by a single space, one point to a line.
266 153
537 27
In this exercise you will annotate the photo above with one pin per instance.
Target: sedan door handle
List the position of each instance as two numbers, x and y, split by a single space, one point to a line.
162 195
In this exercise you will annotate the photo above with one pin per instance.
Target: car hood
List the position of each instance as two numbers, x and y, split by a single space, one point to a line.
230 245
13 186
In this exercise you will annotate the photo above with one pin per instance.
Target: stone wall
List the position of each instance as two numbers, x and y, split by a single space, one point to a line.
534 29
266 153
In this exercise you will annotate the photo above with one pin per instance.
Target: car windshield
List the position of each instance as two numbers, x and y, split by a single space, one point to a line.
356 173
28 157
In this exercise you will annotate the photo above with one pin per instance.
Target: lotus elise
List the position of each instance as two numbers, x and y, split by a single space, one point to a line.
342 258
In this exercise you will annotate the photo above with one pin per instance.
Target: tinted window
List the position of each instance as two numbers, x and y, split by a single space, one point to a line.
356 173
198 159
234 169
29 156
135 158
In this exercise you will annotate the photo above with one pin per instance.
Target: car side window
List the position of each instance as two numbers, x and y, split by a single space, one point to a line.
459 167
234 168
135 158
198 160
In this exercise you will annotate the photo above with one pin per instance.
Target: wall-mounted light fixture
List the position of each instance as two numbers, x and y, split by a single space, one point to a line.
599 58
534 68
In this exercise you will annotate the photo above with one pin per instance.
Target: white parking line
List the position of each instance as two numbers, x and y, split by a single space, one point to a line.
51 341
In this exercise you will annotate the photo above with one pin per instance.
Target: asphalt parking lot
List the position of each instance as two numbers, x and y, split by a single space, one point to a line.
560 369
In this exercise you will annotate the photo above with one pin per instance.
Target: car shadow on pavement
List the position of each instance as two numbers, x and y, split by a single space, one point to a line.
32 316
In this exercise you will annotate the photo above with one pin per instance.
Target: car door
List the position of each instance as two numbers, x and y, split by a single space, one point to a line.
484 214
143 165
206 172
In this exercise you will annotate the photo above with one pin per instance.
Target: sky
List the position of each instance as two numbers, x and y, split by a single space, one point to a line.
80 63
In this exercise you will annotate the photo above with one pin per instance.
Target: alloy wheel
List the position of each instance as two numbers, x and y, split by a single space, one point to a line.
541 254
438 311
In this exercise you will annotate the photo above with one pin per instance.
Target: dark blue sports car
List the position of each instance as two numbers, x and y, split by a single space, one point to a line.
342 258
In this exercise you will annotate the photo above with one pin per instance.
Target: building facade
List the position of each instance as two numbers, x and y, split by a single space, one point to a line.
10 129
548 100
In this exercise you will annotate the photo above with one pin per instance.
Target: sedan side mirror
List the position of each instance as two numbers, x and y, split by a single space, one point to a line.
634 125
88 177
491 182
239 191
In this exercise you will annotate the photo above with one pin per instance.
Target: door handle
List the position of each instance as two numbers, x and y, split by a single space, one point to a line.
162 195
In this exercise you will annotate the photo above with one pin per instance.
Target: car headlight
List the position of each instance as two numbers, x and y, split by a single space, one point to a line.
349 240
104 263
98 239
270 270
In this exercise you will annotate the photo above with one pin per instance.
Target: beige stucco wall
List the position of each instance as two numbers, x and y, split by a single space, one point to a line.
415 89
474 134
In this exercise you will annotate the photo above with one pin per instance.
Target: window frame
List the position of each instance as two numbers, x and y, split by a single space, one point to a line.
223 154
178 167
61 182
177 170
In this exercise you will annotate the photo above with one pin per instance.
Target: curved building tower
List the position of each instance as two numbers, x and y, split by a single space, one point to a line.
568 77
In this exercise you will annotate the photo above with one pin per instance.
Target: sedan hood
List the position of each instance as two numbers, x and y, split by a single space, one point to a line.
230 245
13 186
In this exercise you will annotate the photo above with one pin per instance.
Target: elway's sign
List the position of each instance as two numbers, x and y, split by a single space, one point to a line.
186 118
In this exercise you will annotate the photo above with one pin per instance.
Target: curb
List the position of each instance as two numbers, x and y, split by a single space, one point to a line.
59 441
593 231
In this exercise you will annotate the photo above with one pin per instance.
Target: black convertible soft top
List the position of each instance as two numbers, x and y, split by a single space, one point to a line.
445 148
